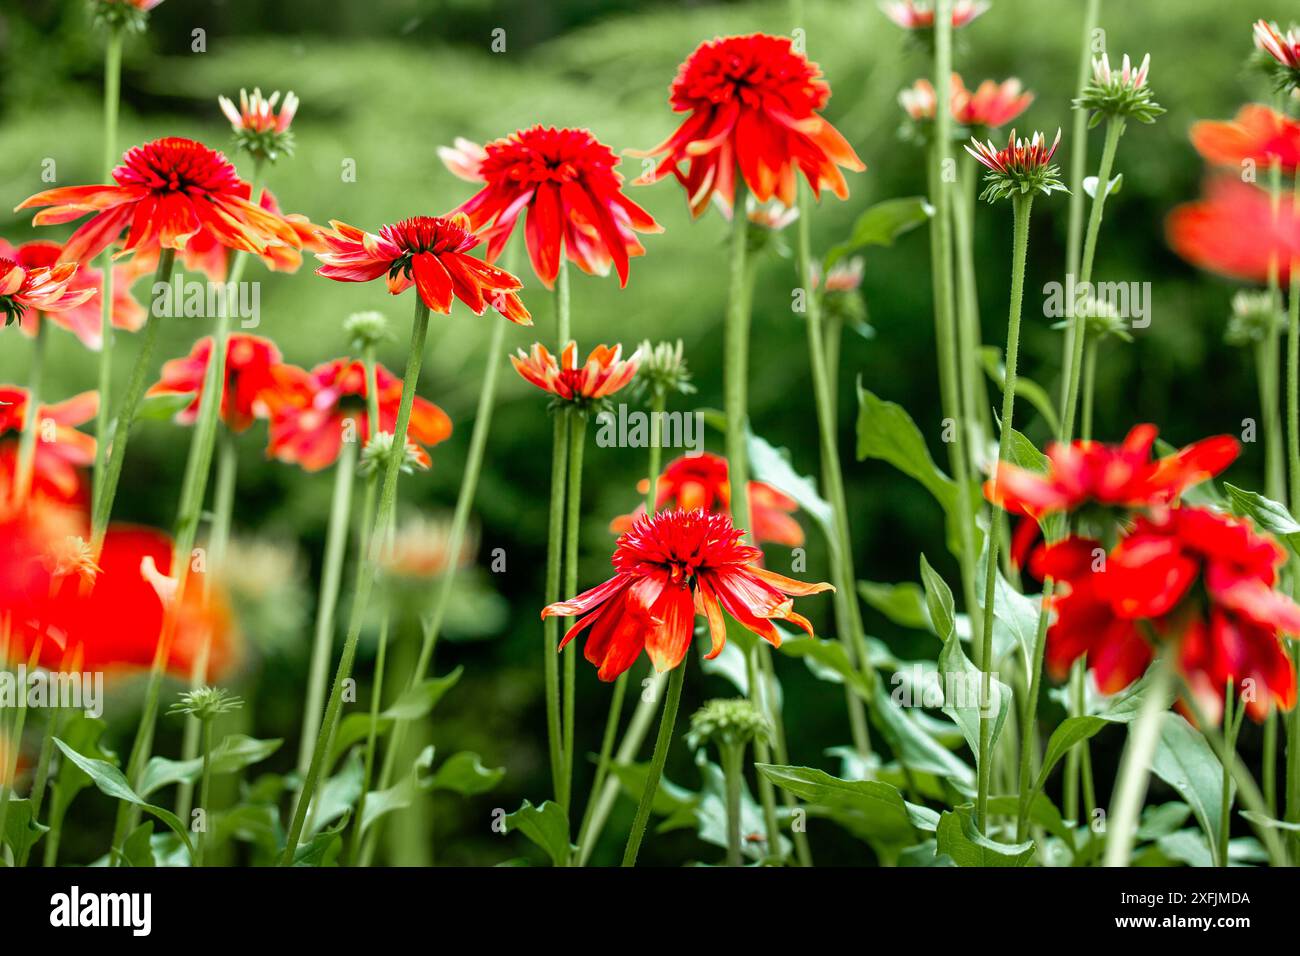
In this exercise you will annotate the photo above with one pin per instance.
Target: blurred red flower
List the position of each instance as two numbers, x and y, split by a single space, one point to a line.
919 14
753 103
38 288
604 373
1085 473
1234 232
669 568
990 105
79 310
61 450
700 481
1196 579
249 359
566 181
165 193
429 251
1258 133
310 412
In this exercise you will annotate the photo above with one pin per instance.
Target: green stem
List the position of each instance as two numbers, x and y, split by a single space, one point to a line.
1293 454
606 751
336 545
735 359
121 429
223 504
732 757
205 791
1078 323
550 627
847 613
974 404
666 722
32 417
1232 725
112 97
1089 386
1275 482
767 794
366 572
455 544
572 529
372 736
1135 767
41 781
1021 204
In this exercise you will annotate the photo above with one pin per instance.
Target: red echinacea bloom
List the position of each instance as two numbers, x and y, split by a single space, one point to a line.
1283 50
1257 133
312 412
919 101
42 288
1124 476
670 567
1020 158
753 103
116 623
1196 580
257 114
566 183
429 252
919 14
78 310
164 194
249 360
57 460
604 373
701 481
1234 231
991 105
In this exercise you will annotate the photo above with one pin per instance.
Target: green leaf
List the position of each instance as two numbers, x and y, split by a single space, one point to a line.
1015 615
1268 514
137 849
767 464
881 224
959 838
323 849
234 753
399 796
1029 390
938 602
414 703
902 603
110 782
913 746
1185 761
886 432
1123 708
1264 820
464 773
337 795
868 808
711 817
160 408
831 657
1042 811
547 826
22 830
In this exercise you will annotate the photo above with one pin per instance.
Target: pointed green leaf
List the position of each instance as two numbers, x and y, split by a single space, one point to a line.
547 826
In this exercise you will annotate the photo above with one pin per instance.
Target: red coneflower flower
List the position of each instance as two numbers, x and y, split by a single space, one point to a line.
30 535
1235 232
166 193
116 623
919 14
1257 133
249 360
310 412
565 179
754 104
604 373
259 130
1019 167
82 320
991 105
1085 473
62 452
44 289
1283 50
701 481
1192 577
429 251
671 566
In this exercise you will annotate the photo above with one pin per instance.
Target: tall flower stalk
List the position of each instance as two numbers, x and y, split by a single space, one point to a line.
1017 172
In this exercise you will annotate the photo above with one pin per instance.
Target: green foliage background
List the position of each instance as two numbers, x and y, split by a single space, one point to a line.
384 82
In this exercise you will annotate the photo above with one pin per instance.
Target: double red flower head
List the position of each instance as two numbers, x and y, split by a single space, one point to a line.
754 105
564 184
58 459
670 567
604 373
429 252
1187 578
312 412
249 363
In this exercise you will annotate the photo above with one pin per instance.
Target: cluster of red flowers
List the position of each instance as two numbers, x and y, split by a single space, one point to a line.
1187 579
990 106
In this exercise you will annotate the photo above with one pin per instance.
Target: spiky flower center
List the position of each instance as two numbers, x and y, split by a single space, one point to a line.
752 69
176 165
683 544
540 155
